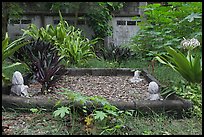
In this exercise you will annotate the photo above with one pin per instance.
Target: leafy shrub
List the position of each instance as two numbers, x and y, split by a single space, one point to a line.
70 42
44 62
115 53
99 17
167 25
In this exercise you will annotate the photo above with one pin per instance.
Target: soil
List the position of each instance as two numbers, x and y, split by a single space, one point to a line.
115 88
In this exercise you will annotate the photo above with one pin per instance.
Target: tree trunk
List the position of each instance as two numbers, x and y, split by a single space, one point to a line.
4 26
5 18
76 19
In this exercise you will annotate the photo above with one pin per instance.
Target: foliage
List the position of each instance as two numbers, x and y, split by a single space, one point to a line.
61 111
106 113
100 63
73 7
115 53
100 16
167 91
43 60
70 42
9 10
44 123
8 72
37 110
8 50
192 92
166 25
189 67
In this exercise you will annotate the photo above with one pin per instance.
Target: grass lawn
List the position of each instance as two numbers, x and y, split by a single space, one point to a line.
45 124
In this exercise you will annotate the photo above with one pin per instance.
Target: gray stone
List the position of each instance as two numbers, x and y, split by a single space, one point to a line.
17 78
18 88
136 78
153 88
155 97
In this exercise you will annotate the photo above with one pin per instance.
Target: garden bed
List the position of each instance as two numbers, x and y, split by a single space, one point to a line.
112 84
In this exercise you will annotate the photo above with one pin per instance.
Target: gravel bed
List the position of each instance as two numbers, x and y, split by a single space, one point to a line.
115 88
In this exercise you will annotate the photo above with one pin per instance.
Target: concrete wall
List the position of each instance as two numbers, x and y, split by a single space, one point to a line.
123 29
123 25
86 31
14 29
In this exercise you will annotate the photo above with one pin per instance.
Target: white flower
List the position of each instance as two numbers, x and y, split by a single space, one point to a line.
194 42
190 43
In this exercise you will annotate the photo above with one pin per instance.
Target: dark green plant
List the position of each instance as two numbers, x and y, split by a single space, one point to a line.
115 53
99 17
43 60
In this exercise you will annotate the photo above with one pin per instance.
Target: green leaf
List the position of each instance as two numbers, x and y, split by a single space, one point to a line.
161 60
9 49
12 65
181 62
34 110
112 112
61 111
189 67
193 16
81 99
99 115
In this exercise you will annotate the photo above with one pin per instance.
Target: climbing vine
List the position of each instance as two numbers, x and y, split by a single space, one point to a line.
100 16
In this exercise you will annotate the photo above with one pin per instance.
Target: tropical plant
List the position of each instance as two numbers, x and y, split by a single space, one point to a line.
43 60
61 111
70 42
8 50
189 67
166 25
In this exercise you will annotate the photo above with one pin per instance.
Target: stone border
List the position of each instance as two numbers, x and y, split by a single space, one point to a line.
172 103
